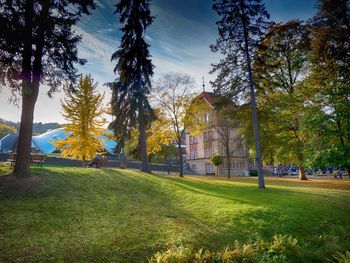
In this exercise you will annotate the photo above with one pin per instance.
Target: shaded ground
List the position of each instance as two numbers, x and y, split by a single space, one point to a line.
77 215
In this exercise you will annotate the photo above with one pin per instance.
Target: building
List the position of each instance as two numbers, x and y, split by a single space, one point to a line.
44 142
212 137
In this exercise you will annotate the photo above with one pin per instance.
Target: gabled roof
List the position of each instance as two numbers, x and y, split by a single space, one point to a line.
210 97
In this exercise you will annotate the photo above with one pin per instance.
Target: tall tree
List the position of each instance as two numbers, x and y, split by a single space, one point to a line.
280 67
173 95
130 91
38 46
328 86
83 109
242 24
159 134
226 126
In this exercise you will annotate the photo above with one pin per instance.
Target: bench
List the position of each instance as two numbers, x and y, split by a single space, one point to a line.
34 158
210 173
98 162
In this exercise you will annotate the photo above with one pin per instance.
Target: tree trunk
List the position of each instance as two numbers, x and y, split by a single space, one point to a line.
24 144
122 161
29 96
302 175
145 167
261 183
181 172
228 163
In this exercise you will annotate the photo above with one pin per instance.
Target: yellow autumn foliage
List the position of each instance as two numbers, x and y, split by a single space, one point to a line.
83 110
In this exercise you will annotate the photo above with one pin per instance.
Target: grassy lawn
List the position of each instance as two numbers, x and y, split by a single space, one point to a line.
111 215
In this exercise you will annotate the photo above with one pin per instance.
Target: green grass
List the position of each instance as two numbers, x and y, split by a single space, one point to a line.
111 215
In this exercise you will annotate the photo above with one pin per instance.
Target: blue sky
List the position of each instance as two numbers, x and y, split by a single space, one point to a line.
179 37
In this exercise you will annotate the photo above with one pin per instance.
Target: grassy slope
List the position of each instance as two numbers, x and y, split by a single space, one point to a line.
112 215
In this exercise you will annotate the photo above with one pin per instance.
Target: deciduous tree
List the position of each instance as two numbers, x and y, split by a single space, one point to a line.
5 129
327 88
83 109
280 66
173 95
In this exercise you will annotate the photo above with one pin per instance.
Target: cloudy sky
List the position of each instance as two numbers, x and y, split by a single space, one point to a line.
179 37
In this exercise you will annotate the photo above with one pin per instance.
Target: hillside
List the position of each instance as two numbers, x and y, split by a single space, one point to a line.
74 214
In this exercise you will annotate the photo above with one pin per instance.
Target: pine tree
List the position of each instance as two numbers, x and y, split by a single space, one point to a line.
83 109
38 46
130 91
242 24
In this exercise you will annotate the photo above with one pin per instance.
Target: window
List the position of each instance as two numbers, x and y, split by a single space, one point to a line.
194 167
206 117
223 151
191 139
205 136
210 135
209 168
193 151
208 149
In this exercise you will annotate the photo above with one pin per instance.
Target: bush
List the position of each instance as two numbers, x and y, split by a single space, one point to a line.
217 160
342 258
281 249
253 173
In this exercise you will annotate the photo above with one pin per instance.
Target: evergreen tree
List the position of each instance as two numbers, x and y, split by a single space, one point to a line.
38 46
241 27
130 91
83 109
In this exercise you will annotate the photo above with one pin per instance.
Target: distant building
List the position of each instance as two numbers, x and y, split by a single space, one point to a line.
44 142
208 142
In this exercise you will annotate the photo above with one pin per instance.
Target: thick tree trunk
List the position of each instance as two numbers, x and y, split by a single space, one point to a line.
145 167
29 96
302 175
261 183
24 144
181 172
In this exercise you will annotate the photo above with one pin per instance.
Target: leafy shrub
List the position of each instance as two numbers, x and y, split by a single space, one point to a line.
217 160
280 250
284 245
253 173
342 258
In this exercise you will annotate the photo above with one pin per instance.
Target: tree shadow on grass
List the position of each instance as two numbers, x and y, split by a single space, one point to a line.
124 216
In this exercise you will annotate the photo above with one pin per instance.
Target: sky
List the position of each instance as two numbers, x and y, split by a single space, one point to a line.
179 37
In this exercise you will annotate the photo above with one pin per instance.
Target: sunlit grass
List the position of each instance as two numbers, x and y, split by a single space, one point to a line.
76 214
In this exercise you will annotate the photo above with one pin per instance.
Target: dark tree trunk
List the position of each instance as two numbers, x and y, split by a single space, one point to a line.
24 146
145 167
29 96
181 172
261 183
228 164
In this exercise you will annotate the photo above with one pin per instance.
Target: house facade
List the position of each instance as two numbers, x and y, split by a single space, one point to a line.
214 138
